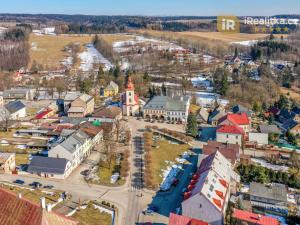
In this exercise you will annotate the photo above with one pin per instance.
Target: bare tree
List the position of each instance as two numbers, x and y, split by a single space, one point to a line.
5 118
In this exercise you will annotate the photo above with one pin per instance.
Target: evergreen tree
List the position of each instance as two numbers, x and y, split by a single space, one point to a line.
117 71
146 77
192 126
224 85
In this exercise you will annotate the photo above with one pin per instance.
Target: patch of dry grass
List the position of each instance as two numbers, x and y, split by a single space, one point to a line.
48 50
112 38
292 93
21 159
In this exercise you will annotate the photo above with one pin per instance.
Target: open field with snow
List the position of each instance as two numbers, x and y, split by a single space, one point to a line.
47 50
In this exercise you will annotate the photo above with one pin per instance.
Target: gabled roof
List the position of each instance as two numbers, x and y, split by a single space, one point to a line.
112 86
14 106
230 151
20 211
184 220
241 109
42 114
275 191
288 124
110 112
236 118
254 218
229 129
41 164
269 129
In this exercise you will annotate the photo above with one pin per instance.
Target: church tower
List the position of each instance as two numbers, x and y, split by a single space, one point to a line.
129 99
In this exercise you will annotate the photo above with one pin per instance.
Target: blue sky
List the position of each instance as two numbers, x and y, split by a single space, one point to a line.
153 7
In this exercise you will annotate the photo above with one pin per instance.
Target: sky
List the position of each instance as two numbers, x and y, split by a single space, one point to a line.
153 7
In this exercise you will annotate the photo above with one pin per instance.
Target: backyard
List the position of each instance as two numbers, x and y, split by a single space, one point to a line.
92 216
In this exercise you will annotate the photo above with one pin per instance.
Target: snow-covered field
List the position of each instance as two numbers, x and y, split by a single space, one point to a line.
265 164
246 43
92 56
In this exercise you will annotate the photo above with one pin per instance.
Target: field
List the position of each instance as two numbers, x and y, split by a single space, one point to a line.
48 50
293 93
111 38
164 152
198 36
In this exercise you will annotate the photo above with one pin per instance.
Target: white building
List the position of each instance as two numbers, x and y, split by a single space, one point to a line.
130 101
167 108
230 134
209 191
259 138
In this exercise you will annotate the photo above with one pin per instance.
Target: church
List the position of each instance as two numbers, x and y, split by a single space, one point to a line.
130 101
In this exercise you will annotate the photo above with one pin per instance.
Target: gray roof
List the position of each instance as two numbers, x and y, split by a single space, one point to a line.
241 109
14 106
167 103
204 114
76 139
40 164
265 128
71 96
276 191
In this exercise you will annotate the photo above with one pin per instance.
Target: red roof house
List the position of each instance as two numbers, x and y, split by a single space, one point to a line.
238 119
229 129
15 210
253 218
184 220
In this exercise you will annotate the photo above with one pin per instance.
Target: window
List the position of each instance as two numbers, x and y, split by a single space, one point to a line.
211 188
236 137
208 195
227 136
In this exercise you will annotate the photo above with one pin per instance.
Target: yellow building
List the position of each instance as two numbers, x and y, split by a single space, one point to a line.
111 90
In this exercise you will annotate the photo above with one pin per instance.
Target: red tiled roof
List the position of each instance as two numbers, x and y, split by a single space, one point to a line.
19 211
229 129
42 114
236 118
217 202
129 85
254 218
184 220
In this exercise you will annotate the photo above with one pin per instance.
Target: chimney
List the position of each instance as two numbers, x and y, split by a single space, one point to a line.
49 207
43 202
20 195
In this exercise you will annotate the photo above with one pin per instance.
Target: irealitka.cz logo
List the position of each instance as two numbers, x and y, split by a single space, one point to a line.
228 24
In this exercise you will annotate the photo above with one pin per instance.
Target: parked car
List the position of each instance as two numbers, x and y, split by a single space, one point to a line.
35 184
19 182
148 212
49 186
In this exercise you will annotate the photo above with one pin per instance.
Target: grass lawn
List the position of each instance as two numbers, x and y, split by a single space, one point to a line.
48 52
92 216
34 195
21 159
105 173
165 152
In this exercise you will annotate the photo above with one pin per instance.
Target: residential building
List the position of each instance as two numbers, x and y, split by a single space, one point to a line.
58 168
240 119
82 106
112 89
167 108
258 138
17 210
202 116
230 151
69 98
19 93
175 219
209 191
269 197
295 130
241 109
245 217
130 101
229 134
269 129
16 109
215 115
7 162
108 114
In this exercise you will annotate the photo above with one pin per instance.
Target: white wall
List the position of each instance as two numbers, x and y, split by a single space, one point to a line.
259 138
229 138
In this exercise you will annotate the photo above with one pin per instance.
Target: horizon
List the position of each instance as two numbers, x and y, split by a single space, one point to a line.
168 8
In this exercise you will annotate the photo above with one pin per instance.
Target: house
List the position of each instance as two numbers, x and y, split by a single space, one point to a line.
237 109
175 219
7 162
230 134
111 90
259 138
245 217
167 108
202 116
20 211
58 168
215 115
269 197
295 130
130 100
69 98
82 106
19 93
16 109
209 191
239 119
108 114
230 151
288 124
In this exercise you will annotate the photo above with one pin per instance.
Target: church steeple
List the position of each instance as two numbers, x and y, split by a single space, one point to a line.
129 84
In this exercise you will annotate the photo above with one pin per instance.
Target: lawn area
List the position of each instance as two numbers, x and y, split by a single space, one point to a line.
34 195
8 134
21 159
92 216
105 173
165 151
48 50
